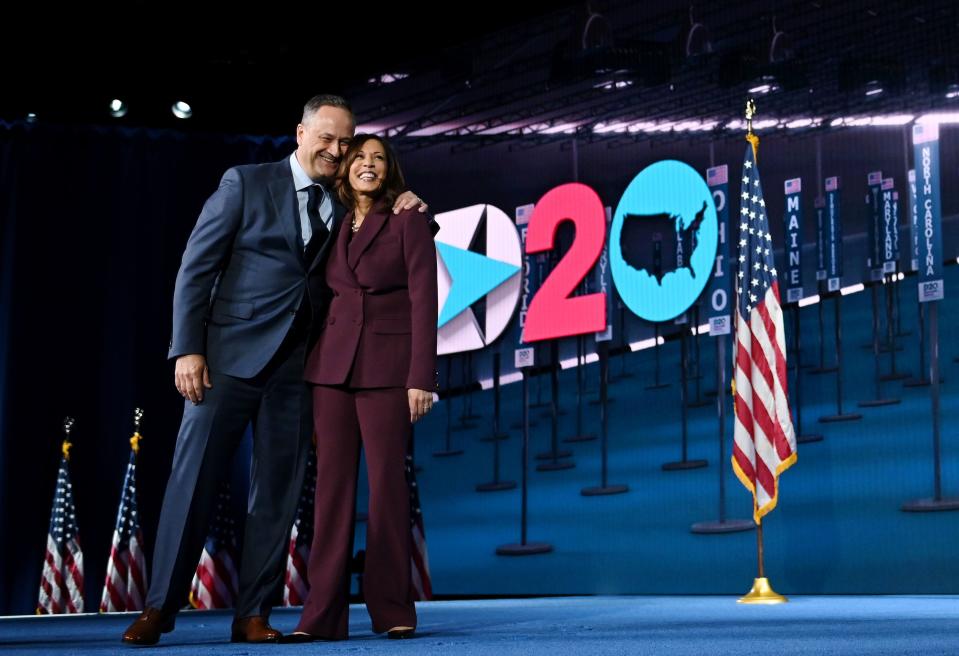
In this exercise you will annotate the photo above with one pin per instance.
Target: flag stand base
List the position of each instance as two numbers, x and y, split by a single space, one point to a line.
762 593
930 505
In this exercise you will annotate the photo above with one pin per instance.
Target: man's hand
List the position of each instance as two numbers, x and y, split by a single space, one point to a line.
191 376
407 201
421 402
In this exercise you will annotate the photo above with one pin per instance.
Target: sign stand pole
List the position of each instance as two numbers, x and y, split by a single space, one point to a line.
524 548
449 450
800 438
699 401
496 485
922 381
604 488
822 368
554 454
722 525
879 400
580 436
656 382
839 416
891 332
683 463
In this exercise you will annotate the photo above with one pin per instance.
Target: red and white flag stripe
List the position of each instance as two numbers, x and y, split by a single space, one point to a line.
764 442
215 582
125 586
420 566
61 585
296 588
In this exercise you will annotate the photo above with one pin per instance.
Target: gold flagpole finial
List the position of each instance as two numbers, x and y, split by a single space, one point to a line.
135 440
67 427
750 137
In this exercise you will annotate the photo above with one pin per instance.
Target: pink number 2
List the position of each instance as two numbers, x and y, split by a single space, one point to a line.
552 312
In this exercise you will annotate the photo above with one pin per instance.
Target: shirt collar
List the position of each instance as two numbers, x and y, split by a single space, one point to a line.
300 179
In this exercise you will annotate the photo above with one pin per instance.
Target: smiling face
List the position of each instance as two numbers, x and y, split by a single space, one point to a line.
368 168
322 140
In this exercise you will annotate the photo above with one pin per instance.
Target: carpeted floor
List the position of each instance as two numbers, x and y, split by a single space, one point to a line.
673 626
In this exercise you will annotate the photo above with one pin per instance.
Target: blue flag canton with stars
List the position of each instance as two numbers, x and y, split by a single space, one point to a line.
757 271
304 509
128 523
223 529
63 521
416 511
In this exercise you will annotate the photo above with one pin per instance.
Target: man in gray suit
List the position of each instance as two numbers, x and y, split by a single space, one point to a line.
248 294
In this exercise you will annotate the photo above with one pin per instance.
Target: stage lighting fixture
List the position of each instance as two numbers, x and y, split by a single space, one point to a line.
766 84
944 79
31 117
118 108
780 46
182 109
871 78
590 51
698 42
388 78
744 67
873 88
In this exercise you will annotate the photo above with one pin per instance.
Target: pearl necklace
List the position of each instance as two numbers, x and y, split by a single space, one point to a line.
354 226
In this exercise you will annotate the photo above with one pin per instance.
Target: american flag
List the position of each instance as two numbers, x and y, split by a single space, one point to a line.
420 566
301 537
215 582
61 585
764 444
126 580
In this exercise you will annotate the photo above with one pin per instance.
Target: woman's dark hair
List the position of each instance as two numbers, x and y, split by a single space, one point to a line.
393 185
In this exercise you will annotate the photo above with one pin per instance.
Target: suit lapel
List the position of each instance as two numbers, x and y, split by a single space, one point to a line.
287 208
371 227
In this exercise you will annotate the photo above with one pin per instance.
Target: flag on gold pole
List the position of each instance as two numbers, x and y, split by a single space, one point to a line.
764 442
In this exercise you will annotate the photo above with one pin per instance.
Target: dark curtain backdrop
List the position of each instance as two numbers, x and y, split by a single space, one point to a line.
93 222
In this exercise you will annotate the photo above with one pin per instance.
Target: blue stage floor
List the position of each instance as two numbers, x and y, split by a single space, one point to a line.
676 626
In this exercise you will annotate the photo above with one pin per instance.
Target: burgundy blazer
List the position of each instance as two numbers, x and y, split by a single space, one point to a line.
381 326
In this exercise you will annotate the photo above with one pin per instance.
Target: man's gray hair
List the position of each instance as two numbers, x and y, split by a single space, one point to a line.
325 100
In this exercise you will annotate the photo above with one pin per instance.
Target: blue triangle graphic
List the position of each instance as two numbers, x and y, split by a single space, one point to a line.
473 277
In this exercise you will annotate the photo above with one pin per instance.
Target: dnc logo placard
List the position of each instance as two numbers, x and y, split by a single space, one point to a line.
663 240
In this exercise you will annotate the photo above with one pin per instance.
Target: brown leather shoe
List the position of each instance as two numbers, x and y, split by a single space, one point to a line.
254 629
147 628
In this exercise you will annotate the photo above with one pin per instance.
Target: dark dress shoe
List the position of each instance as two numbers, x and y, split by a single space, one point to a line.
400 634
295 638
147 628
254 629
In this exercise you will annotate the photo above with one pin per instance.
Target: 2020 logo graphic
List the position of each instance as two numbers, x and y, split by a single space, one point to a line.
669 198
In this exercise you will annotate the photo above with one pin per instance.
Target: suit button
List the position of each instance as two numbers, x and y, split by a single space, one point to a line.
332 320
359 292
357 322
292 313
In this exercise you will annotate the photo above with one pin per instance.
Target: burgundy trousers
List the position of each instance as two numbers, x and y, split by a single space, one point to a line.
380 420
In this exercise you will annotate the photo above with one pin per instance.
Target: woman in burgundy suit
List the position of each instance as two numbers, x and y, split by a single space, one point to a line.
374 371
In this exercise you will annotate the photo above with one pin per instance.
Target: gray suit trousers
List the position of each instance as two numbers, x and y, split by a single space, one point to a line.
279 405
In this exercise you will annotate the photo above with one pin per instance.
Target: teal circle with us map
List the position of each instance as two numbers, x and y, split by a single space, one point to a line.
671 198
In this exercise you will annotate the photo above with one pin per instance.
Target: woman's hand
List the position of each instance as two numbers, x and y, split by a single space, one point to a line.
421 402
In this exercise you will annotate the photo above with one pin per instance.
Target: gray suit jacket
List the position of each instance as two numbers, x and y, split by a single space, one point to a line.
242 277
